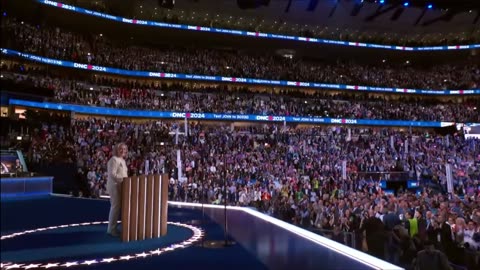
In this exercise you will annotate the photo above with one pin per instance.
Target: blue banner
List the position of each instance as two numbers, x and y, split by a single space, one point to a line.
252 34
181 76
412 184
383 184
84 109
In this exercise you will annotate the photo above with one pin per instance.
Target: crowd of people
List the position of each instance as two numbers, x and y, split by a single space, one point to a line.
297 174
243 100
325 178
100 50
289 28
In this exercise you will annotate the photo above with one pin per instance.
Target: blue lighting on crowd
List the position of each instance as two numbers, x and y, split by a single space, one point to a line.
406 4
430 6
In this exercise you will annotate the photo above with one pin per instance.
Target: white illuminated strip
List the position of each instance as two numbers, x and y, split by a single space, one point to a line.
330 244
197 235
446 124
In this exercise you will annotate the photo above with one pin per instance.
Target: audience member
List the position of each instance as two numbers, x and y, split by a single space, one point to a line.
100 50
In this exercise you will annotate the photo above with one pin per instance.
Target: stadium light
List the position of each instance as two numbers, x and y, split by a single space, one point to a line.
406 4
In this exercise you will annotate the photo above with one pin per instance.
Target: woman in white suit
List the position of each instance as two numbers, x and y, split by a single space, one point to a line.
117 170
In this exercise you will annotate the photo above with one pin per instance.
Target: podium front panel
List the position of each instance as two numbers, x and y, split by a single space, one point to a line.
163 217
126 206
142 205
149 210
134 209
157 199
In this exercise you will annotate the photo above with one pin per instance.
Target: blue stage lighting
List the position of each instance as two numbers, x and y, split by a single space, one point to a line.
382 1
406 4
430 6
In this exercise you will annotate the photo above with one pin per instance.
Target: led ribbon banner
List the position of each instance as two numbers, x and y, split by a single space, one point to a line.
83 109
252 34
181 76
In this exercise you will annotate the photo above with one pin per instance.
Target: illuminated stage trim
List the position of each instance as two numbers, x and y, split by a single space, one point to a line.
26 186
197 235
346 251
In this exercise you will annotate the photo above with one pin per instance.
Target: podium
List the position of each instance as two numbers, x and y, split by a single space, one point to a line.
144 207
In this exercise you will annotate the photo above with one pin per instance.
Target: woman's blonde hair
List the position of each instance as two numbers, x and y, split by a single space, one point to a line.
117 147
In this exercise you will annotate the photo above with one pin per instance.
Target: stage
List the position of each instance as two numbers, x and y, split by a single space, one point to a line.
59 232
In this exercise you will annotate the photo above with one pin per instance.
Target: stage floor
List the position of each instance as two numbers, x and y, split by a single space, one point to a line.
266 243
77 243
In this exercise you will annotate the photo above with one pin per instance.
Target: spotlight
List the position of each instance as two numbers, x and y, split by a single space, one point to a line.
430 6
406 4
382 2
